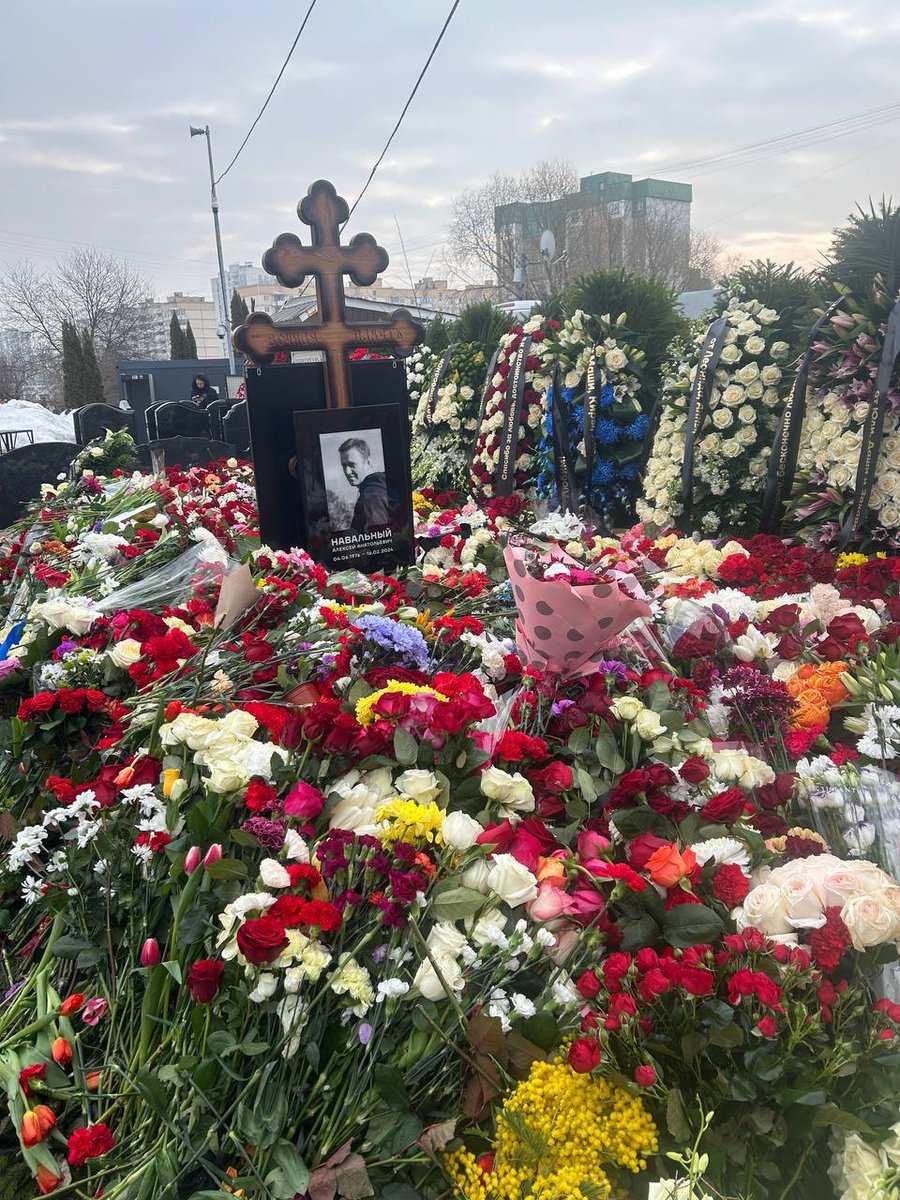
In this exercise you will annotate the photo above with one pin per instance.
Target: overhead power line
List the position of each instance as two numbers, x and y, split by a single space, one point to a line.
271 92
410 98
782 143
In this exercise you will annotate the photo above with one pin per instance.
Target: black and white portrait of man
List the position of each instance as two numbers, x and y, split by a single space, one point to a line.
358 497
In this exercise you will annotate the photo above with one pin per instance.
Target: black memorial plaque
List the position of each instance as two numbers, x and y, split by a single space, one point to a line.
236 427
25 469
188 451
180 420
215 414
93 420
355 485
274 395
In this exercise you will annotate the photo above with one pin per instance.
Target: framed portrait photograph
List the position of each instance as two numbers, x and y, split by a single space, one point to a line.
353 468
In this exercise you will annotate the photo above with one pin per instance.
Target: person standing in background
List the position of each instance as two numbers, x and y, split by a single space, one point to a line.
202 392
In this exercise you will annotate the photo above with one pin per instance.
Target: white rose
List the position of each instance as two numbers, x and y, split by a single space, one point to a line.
779 349
733 395
803 905
862 1169
870 921
239 723
476 876
509 880
460 831
764 909
770 375
421 786
755 390
748 373
445 938
747 327
616 360
730 355
430 985
755 344
648 726
841 881
273 874
626 708
513 792
722 418
125 653
226 775
61 614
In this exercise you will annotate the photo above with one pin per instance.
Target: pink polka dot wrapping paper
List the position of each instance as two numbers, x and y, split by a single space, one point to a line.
565 629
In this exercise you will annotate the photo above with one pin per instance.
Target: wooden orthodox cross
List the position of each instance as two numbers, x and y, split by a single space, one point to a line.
328 261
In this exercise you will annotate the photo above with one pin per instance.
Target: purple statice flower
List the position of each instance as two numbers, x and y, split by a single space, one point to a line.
65 647
405 643
269 834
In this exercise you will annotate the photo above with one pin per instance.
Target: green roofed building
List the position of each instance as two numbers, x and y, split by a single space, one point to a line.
612 220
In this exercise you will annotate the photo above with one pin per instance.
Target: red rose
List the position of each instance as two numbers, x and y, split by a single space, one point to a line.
653 984
644 1076
643 848
730 885
768 1027
696 981
694 770
584 1055
261 939
847 629
726 807
589 985
92 1142
304 801
789 646
204 979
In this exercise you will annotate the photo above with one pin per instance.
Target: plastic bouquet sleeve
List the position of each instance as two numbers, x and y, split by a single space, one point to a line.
565 629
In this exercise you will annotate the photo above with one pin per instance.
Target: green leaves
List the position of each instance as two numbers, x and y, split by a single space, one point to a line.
290 1175
454 903
688 924
406 748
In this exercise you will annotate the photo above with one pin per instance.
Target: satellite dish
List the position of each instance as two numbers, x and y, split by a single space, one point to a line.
548 245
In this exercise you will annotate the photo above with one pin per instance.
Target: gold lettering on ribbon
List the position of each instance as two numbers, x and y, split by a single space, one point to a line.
512 437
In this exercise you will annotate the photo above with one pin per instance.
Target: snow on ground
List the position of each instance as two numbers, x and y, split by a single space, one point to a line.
47 426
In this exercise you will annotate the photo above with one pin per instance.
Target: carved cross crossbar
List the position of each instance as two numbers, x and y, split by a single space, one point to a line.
328 261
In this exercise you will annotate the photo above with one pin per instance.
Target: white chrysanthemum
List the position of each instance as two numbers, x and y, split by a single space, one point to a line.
723 850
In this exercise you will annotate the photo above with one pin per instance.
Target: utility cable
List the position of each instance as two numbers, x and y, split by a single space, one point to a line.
271 92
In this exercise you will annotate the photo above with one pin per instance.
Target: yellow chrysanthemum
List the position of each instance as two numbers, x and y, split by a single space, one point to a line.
364 708
557 1133
408 821
421 504
850 558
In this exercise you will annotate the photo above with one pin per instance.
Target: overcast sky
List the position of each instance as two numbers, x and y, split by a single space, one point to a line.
96 97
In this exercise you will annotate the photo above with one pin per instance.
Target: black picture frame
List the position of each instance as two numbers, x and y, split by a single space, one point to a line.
355 487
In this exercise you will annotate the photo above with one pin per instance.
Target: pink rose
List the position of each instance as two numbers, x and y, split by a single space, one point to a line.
550 903
304 801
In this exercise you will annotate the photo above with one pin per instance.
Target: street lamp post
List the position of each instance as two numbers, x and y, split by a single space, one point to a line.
197 131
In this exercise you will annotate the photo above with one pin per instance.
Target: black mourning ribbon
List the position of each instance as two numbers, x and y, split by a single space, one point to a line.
699 405
873 430
786 446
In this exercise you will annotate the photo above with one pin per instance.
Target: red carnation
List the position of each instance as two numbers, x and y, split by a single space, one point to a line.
204 979
259 796
92 1142
831 941
584 1055
589 985
730 885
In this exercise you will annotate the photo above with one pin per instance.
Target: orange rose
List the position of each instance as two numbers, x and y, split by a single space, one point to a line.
668 864
550 868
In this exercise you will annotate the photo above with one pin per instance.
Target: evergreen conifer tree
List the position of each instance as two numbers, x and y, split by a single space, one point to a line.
92 380
239 310
73 367
176 338
190 342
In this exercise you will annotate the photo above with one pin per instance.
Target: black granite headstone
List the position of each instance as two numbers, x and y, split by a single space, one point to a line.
216 415
236 427
25 469
274 394
187 451
180 420
93 420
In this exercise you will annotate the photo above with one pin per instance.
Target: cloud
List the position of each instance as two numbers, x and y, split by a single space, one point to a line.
85 164
100 123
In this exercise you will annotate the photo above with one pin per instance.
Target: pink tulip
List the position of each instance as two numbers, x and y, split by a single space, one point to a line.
213 854
150 954
94 1010
192 860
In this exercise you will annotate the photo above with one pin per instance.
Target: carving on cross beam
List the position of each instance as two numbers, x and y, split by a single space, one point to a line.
328 262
